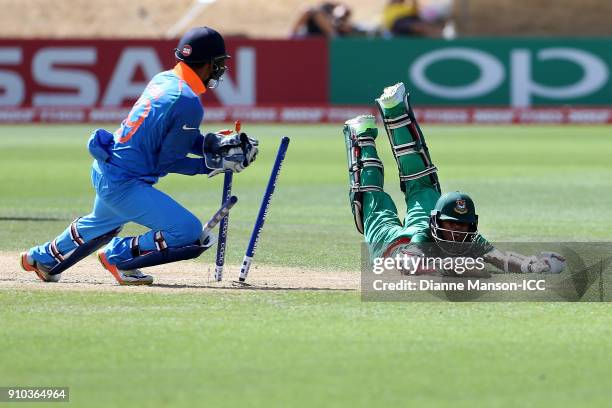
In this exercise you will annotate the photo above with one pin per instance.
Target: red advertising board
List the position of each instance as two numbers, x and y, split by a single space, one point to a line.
268 81
325 114
112 73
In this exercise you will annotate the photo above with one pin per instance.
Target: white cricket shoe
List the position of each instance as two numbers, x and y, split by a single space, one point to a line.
132 277
28 264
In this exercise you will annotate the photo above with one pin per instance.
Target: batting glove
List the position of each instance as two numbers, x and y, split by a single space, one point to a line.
546 262
556 262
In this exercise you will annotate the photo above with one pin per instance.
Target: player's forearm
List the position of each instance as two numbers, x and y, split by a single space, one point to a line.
198 146
188 166
516 263
504 261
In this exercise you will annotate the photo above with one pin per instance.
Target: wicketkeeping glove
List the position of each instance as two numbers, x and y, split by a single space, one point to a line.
233 152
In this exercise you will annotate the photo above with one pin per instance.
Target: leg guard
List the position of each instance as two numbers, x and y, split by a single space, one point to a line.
366 172
407 140
164 256
82 250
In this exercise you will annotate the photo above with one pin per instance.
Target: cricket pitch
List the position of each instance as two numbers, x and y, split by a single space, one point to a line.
178 277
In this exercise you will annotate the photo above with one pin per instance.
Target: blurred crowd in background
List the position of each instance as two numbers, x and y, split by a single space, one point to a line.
416 18
303 18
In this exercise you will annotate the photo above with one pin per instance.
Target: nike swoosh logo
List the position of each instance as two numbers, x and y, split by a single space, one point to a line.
188 128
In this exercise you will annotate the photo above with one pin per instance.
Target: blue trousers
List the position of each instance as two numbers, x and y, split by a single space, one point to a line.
118 203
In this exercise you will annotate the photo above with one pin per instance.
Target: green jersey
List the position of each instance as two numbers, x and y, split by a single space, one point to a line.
384 231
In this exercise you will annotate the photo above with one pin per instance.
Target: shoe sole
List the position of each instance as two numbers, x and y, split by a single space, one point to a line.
30 268
115 272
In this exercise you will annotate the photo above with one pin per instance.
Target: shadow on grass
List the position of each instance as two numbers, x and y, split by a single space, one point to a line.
34 219
246 286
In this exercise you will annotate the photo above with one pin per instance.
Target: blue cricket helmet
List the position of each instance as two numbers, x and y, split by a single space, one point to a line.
201 45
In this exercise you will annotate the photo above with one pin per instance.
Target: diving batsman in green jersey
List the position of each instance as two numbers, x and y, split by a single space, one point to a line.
449 222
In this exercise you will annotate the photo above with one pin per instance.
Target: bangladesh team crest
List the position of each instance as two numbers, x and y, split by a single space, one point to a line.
461 206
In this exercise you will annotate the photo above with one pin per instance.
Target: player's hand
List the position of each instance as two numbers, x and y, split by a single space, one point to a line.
546 262
249 145
556 262
233 162
533 264
229 152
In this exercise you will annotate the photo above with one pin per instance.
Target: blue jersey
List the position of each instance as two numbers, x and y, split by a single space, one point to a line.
160 131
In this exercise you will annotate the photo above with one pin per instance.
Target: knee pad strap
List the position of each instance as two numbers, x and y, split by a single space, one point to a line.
81 251
55 251
74 233
135 247
160 242
398 122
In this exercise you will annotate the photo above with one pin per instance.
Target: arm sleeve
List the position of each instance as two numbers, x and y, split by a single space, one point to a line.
198 146
481 246
188 166
99 144
183 134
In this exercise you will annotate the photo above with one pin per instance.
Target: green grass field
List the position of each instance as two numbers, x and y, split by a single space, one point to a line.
327 348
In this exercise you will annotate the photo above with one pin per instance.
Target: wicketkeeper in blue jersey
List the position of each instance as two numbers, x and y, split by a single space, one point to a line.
154 140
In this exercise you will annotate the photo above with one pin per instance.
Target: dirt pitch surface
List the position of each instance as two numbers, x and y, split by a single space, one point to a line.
178 277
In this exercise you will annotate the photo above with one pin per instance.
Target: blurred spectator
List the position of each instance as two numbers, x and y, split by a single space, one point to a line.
328 19
404 17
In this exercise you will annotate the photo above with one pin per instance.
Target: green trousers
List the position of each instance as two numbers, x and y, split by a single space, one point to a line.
382 226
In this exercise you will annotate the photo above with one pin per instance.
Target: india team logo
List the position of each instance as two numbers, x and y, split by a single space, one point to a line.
461 206
186 51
